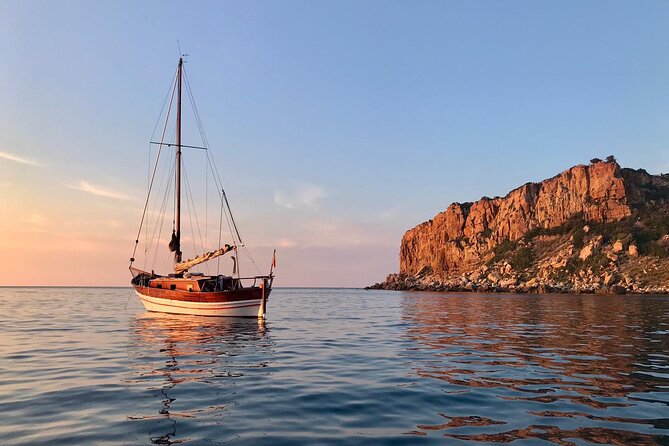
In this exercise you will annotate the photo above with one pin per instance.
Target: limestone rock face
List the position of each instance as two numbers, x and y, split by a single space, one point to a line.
567 234
463 236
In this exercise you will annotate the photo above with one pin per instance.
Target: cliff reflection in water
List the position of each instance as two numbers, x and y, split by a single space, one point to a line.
188 364
549 368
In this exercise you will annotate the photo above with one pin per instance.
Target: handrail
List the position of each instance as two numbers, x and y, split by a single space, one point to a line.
137 270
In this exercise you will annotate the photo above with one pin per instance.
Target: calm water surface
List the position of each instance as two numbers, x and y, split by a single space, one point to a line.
335 367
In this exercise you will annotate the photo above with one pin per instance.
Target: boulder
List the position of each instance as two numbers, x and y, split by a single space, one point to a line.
585 252
609 279
597 241
508 283
423 271
532 283
557 264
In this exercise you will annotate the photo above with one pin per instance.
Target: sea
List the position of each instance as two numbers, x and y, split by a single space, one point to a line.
90 366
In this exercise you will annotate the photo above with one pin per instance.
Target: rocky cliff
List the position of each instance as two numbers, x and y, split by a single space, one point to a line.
538 231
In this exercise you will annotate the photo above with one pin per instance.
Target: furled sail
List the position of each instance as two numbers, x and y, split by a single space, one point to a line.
174 242
182 267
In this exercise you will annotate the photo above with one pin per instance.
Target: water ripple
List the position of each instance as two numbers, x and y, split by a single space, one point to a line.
335 367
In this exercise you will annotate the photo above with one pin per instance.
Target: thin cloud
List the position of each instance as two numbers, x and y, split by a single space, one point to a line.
17 159
390 213
36 219
286 243
92 189
303 195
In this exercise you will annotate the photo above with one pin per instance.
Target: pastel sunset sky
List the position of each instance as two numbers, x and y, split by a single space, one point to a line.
336 125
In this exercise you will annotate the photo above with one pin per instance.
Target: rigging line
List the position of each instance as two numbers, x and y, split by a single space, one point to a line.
248 253
206 204
198 121
174 201
203 135
231 217
162 109
220 196
222 193
161 218
162 179
197 221
173 87
163 187
227 220
246 250
196 112
157 202
155 252
160 115
216 174
167 173
190 218
125 307
146 203
213 174
220 229
229 211
205 141
145 206
148 185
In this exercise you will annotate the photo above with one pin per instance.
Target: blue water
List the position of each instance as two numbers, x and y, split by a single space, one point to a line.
78 366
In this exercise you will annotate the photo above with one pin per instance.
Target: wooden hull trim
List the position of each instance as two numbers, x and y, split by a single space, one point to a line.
210 297
244 308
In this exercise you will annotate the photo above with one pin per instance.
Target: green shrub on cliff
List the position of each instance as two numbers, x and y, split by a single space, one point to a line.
502 250
522 258
578 236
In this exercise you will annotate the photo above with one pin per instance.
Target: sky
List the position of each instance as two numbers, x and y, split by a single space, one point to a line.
336 126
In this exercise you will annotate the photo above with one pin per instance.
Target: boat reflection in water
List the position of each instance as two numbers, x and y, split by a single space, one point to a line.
175 358
543 368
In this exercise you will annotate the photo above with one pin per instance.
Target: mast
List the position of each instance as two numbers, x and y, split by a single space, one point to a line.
177 253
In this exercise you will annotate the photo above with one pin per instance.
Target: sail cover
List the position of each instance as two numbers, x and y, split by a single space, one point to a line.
182 267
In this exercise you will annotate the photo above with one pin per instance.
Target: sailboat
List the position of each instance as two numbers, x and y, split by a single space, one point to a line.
184 291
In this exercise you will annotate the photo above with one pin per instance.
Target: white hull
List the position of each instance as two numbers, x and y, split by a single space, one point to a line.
243 308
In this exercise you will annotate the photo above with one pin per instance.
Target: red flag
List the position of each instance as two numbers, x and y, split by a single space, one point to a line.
274 259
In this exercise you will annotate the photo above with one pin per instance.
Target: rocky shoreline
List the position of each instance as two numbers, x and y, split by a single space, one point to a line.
491 284
596 268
